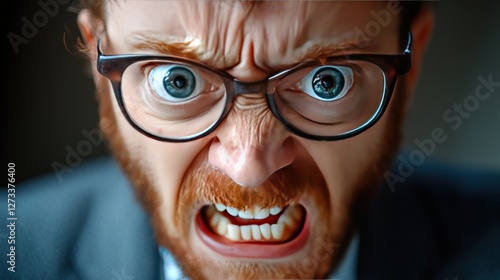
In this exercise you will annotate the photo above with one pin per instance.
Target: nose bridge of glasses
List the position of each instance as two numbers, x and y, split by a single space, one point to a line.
258 87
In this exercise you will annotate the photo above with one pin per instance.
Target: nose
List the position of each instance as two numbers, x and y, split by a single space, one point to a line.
251 144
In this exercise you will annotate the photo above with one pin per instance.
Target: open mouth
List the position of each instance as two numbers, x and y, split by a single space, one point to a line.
255 232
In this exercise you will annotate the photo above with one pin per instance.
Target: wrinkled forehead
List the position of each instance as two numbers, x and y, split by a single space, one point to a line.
277 32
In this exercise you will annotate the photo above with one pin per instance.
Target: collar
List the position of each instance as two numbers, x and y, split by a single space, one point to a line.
347 267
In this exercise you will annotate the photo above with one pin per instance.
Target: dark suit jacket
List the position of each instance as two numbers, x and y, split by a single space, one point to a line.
440 223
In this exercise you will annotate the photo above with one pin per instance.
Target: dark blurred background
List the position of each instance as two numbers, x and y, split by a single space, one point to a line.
50 96
466 45
50 100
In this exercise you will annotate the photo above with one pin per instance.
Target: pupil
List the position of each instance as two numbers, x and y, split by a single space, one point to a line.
327 82
180 82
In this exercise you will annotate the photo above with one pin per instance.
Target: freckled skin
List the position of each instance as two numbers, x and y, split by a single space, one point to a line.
250 42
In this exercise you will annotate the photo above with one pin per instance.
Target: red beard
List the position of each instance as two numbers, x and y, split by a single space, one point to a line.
203 184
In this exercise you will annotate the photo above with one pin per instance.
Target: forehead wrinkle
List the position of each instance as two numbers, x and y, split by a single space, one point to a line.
208 31
272 46
321 29
284 42
218 27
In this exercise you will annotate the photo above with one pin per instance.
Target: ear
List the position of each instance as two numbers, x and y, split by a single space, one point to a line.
86 27
421 28
90 28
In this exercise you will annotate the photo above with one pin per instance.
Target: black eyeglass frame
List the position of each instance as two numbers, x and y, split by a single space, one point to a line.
392 65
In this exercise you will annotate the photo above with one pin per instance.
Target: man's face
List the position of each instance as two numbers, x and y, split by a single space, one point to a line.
252 200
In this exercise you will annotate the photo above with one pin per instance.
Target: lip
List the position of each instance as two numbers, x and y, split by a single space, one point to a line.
228 248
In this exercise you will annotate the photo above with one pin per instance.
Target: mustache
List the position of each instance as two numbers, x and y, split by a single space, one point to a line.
208 184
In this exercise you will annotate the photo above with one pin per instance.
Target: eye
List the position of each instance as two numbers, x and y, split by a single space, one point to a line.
175 83
327 83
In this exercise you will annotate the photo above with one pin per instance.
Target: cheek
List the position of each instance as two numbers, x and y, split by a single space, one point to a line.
347 163
168 163
164 163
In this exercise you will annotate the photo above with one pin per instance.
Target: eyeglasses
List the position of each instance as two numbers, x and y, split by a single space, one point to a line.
178 100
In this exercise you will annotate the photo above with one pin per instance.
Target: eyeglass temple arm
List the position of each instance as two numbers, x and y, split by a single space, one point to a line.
404 64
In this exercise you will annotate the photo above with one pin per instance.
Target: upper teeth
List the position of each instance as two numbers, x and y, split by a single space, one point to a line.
286 225
220 207
252 213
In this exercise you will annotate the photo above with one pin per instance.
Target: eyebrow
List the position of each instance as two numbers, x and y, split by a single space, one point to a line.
186 49
320 51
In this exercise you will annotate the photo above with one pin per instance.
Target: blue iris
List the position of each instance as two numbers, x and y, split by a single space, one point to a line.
328 83
179 82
